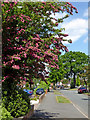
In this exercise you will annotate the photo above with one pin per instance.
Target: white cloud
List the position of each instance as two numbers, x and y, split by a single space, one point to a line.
85 41
86 13
76 28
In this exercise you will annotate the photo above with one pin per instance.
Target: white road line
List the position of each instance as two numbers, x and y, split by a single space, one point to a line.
79 110
76 107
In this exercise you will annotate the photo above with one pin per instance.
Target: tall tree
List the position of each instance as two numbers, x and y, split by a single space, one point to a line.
28 33
73 63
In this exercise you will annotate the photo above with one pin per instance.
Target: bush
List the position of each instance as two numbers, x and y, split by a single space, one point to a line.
65 81
18 107
43 85
35 97
4 114
18 104
66 86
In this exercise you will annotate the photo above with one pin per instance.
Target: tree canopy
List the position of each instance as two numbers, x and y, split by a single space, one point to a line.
29 30
56 75
74 63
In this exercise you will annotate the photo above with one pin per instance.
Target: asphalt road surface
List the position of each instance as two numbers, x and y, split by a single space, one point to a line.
49 108
79 100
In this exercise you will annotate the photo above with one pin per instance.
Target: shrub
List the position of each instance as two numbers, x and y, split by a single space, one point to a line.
18 107
43 85
65 81
18 104
66 86
35 98
4 114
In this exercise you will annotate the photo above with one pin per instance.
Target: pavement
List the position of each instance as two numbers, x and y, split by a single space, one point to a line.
50 109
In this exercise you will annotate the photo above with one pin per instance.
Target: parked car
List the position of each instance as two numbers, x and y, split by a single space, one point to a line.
40 91
30 92
82 90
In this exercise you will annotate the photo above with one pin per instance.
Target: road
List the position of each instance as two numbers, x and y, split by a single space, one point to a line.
79 100
49 108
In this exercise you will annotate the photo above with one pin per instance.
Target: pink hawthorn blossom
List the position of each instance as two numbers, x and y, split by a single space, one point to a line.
16 67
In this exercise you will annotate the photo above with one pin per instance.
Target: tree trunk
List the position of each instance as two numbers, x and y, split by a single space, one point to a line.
85 83
48 89
74 80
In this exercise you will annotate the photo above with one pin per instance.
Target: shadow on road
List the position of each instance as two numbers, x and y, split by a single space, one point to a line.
41 115
85 98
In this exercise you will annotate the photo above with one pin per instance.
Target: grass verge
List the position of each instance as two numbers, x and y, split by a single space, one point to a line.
74 89
87 94
61 99
57 92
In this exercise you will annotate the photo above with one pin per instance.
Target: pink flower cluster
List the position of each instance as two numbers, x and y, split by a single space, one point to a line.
21 31
17 58
16 67
27 17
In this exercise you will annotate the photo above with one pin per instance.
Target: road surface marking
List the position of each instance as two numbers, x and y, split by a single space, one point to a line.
79 110
76 107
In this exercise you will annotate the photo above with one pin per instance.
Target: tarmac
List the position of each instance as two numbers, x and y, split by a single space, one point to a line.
50 109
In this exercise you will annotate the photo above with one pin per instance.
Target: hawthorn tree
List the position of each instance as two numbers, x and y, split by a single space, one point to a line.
74 63
28 33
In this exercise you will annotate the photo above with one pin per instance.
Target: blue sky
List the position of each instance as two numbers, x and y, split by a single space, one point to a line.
81 41
76 26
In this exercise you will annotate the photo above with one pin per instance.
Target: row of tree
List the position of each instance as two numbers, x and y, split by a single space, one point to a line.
72 65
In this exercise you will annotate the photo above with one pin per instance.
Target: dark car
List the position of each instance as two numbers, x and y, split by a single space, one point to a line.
82 90
30 92
40 91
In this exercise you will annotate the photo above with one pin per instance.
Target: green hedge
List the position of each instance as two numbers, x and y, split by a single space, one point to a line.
4 114
18 103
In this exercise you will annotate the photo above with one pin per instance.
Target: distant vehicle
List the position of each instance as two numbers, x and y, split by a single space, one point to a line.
30 92
39 91
82 90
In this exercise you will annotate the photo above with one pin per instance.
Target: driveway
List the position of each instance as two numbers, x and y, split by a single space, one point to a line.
79 100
